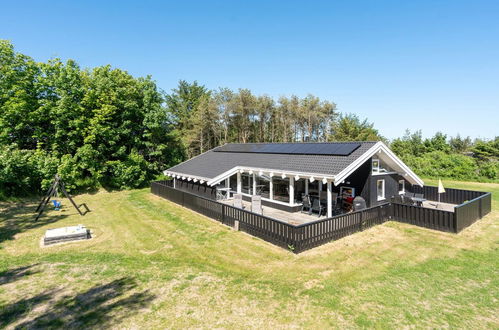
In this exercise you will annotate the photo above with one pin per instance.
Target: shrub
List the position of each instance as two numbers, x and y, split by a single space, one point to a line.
131 173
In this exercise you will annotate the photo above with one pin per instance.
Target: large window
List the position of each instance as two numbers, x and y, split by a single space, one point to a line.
247 183
299 189
263 186
401 187
380 188
233 182
281 189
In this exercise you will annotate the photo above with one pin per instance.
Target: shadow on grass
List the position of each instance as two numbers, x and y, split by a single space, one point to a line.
15 274
97 307
20 217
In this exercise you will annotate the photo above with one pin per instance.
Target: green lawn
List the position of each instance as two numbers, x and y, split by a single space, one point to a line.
153 264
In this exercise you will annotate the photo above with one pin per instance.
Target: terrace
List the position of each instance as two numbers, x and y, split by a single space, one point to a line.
298 231
293 218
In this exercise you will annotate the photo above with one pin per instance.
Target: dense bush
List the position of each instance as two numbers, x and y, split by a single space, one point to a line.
99 127
455 159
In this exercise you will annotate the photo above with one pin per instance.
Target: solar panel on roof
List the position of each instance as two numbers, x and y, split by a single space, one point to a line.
334 149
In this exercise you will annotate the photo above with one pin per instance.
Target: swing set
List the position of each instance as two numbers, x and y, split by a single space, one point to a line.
53 191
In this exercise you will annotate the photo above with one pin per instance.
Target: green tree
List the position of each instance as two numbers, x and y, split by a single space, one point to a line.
182 104
459 144
19 119
350 128
437 143
410 145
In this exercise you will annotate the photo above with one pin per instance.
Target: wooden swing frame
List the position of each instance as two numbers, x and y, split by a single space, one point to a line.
58 183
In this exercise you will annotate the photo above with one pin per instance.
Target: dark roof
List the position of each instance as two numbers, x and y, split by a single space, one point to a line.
217 161
320 148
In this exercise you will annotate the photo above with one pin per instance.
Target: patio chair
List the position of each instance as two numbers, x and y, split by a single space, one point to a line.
398 199
409 200
334 198
334 204
317 206
419 195
256 204
306 203
409 194
238 201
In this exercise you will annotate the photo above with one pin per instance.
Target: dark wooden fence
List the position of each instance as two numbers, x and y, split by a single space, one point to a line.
424 217
469 212
312 234
272 230
452 196
306 236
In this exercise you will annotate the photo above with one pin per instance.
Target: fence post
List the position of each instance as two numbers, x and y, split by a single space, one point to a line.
360 222
295 240
480 207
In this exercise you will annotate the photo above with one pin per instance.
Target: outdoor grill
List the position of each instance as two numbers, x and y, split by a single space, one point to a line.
359 203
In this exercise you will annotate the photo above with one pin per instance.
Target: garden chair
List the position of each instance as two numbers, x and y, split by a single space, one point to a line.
238 201
398 199
256 204
317 206
306 203
409 201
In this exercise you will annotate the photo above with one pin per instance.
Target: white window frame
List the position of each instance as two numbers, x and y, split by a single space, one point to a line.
383 197
401 192
375 169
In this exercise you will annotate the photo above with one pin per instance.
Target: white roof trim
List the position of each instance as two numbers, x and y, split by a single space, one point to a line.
236 169
379 146
187 176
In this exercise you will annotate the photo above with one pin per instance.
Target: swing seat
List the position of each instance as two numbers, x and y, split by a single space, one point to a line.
57 205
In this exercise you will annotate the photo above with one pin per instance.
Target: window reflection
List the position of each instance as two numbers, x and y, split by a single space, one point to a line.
281 189
263 186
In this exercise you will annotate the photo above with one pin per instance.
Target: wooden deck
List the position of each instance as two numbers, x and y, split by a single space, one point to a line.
294 218
297 218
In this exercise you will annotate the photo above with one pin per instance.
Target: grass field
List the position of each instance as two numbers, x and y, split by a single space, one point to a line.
153 264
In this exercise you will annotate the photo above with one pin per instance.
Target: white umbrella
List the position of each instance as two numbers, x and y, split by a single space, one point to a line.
441 189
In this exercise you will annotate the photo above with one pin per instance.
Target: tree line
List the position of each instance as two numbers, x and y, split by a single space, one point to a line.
102 127
449 157
204 119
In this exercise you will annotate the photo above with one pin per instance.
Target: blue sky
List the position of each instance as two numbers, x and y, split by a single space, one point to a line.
429 65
